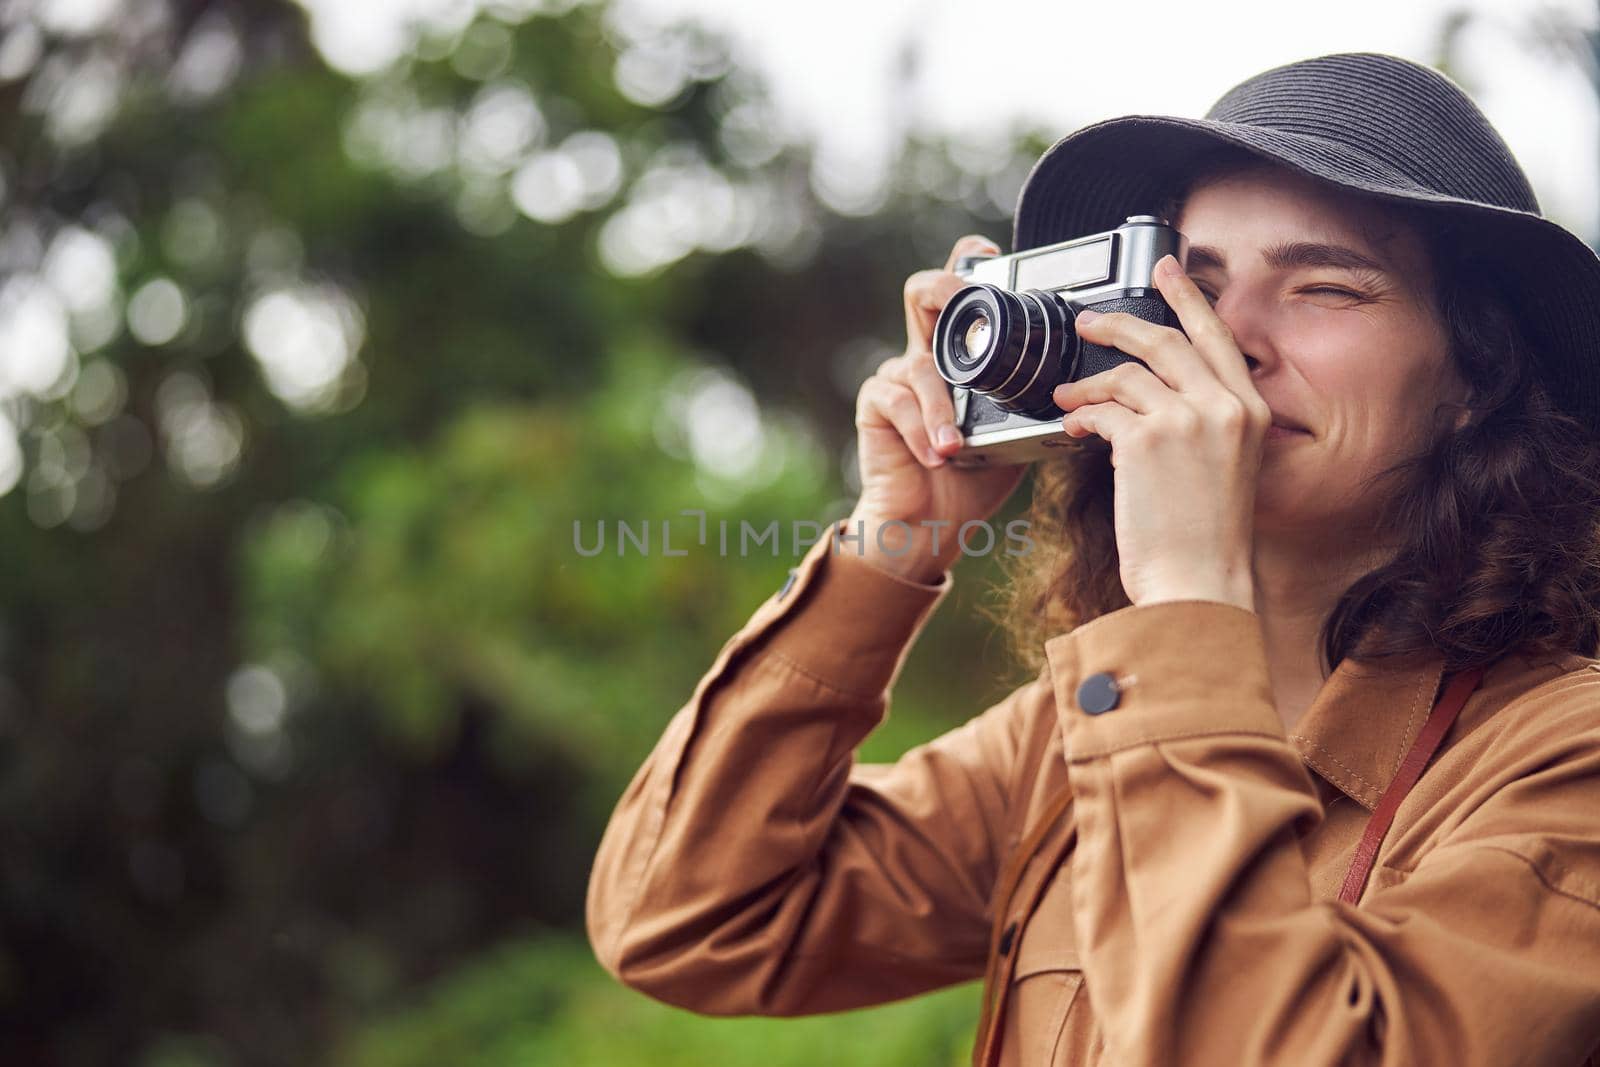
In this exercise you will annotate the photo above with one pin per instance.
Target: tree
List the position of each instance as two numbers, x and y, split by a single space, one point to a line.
304 378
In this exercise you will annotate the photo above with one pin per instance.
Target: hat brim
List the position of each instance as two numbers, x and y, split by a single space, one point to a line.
1093 179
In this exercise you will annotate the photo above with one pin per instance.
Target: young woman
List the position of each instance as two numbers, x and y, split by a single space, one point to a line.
1347 532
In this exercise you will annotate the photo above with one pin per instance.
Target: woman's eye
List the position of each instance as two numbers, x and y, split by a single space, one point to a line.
1334 290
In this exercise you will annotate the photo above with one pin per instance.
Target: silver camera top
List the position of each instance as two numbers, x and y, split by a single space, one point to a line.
1115 261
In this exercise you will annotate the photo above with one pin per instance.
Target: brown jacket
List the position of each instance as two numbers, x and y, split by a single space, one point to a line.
1157 884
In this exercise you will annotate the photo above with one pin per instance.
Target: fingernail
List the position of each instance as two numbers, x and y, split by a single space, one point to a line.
1167 266
1087 315
949 437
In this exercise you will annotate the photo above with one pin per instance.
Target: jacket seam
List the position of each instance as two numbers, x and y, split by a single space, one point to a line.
1337 762
1079 755
1544 877
817 678
1411 721
906 957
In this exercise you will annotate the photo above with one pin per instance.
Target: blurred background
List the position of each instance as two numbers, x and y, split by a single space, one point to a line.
323 323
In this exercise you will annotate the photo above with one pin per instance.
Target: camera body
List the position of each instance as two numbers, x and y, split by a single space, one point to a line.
1007 340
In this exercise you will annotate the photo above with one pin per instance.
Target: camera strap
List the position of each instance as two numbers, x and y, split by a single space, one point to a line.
1443 715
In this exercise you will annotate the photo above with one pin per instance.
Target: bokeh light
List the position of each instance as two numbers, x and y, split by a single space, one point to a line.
305 340
204 438
157 312
34 347
10 456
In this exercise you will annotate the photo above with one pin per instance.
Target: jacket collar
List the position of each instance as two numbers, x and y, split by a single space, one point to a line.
1363 721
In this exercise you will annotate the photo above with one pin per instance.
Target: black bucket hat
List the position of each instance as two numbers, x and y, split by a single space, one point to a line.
1371 124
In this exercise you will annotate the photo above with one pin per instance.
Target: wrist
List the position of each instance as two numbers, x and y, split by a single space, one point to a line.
906 550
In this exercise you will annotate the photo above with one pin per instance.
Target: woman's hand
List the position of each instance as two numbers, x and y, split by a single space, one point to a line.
905 429
1186 436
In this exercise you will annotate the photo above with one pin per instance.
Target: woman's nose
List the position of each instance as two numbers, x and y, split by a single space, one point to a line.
1249 323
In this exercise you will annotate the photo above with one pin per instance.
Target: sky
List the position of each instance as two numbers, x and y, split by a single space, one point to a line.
835 67
832 68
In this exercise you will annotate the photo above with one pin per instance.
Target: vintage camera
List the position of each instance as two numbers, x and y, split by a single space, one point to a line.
1007 340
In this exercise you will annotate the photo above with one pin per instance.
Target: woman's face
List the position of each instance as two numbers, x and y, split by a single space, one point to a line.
1330 302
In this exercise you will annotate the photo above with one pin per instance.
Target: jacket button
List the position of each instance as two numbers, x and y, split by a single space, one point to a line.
788 584
1098 693
1006 937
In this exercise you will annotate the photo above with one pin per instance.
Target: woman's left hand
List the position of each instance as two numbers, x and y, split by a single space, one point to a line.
1186 436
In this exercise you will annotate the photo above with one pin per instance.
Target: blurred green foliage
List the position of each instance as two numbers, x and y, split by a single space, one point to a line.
311 713
544 1001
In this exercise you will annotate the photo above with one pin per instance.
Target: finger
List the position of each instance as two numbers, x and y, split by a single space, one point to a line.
933 396
927 292
1108 421
1163 349
1129 384
972 244
1209 335
884 404
916 370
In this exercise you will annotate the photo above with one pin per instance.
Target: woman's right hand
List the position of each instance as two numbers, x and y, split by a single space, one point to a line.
905 430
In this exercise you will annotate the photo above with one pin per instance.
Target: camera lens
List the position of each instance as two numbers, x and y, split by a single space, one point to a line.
1013 348
975 337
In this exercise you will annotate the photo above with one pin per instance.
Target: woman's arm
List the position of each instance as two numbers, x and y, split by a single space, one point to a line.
752 868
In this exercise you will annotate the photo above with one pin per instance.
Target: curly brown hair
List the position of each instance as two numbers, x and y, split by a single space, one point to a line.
1496 523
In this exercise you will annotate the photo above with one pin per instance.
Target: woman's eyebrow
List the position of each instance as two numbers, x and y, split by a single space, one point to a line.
1293 254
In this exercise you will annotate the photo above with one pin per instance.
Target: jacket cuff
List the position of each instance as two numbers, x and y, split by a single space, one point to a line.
1177 668
845 622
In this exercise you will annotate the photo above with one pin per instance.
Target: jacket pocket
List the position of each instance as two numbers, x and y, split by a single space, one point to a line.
1046 982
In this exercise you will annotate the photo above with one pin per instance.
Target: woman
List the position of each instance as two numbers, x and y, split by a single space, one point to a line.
1353 509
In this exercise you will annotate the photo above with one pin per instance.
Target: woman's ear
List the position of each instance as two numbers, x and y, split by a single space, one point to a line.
1459 394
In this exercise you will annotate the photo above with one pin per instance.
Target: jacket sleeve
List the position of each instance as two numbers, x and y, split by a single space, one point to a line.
752 867
1192 904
